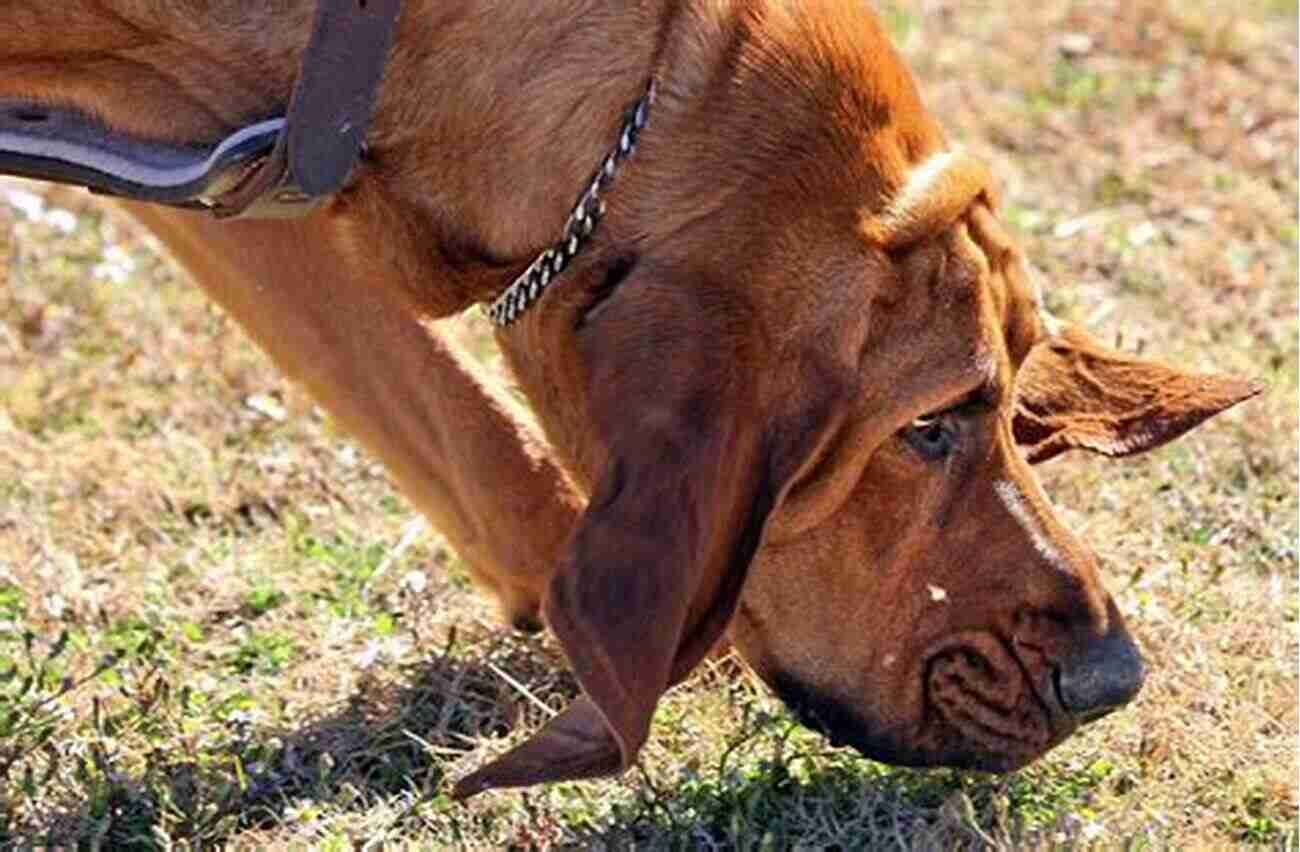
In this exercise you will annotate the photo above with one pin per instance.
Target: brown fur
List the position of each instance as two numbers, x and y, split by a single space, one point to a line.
793 295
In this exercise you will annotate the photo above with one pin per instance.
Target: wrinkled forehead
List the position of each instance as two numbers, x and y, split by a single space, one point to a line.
948 199
929 197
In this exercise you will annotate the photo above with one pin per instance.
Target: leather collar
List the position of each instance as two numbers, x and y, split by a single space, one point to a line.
281 166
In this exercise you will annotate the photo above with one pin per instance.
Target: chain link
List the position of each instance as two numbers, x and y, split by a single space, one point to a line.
582 223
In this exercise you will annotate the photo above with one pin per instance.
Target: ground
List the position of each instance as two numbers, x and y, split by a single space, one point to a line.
219 623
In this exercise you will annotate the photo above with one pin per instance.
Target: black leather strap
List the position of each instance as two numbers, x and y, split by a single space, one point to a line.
328 112
336 90
64 146
277 167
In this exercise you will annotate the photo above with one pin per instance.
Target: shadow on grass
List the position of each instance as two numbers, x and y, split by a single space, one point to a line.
390 738
401 739
841 801
393 746
777 786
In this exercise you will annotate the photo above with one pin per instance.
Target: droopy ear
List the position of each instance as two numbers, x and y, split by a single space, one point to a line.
1072 392
654 569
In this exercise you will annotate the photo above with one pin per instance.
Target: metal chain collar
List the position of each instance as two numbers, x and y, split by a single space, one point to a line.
586 215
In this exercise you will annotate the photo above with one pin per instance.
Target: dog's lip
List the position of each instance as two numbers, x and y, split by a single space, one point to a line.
1054 683
1046 688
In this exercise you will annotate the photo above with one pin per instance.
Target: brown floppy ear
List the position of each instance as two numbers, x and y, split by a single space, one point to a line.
1072 392
653 571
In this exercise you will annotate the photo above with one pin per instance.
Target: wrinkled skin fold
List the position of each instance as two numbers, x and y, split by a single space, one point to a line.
790 394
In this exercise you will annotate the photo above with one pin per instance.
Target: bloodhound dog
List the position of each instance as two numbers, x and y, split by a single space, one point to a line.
788 369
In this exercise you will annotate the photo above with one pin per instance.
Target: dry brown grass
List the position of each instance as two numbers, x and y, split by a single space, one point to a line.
287 657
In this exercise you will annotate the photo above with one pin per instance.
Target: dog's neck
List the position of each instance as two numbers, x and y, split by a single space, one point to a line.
491 118
484 165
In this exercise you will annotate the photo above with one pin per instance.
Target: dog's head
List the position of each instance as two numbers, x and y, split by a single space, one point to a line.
816 374
805 375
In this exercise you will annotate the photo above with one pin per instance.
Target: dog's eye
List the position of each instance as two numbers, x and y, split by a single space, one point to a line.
933 436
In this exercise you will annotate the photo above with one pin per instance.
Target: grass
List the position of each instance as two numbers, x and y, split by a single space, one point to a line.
219 624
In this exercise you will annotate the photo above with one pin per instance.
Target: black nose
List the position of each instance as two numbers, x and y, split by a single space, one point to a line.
1104 676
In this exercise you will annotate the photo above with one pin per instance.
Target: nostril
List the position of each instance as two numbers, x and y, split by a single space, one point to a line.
1105 676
